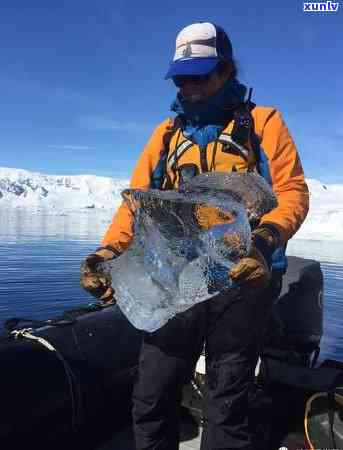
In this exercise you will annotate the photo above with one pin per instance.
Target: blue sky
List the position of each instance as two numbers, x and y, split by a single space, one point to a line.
82 88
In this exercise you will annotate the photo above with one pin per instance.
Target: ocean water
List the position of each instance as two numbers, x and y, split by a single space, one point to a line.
40 257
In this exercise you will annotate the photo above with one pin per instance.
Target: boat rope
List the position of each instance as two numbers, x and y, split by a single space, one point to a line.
196 388
331 414
69 317
26 333
75 395
315 357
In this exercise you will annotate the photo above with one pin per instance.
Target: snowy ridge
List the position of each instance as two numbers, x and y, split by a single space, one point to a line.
23 189
325 218
59 194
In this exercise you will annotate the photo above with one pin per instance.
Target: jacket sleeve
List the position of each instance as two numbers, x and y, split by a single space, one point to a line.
120 232
288 180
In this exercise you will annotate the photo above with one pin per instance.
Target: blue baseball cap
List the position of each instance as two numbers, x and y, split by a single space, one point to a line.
199 48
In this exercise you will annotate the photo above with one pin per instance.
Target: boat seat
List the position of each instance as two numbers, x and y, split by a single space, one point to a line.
296 324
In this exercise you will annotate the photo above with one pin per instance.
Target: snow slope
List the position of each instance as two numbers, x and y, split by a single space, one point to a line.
36 191
60 194
325 218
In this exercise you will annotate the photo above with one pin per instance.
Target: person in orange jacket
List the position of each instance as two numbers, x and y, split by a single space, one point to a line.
216 128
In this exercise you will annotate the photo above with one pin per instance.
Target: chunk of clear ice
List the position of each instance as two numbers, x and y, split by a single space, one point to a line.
174 261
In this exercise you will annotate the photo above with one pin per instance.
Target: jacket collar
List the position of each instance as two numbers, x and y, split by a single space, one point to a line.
216 110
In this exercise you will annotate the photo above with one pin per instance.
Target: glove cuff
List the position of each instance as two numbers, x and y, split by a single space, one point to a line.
107 252
266 238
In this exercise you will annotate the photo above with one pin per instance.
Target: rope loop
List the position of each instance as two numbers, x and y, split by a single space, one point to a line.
75 393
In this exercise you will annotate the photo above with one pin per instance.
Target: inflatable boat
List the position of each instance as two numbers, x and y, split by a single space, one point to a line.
67 381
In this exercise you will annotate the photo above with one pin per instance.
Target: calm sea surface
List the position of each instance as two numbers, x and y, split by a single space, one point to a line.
40 259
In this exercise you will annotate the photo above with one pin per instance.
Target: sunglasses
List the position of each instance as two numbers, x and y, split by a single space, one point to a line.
180 80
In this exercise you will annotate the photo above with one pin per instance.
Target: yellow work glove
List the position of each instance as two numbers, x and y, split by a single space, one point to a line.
253 273
93 278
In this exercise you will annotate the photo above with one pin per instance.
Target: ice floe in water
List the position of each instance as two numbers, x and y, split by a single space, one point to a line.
185 242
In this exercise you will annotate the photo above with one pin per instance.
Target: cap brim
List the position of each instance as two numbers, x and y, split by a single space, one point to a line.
192 66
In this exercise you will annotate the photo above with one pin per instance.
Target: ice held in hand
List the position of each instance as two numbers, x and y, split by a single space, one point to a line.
185 242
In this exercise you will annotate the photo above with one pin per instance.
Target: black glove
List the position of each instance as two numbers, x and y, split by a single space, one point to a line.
93 278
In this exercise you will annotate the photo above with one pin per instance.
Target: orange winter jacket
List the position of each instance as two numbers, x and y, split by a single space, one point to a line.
285 170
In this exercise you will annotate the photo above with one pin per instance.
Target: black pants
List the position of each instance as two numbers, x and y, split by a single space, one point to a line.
231 326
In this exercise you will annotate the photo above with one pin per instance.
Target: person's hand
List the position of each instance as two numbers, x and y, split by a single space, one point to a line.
253 273
93 278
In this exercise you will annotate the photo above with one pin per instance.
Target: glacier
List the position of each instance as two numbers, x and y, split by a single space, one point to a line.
36 191
64 194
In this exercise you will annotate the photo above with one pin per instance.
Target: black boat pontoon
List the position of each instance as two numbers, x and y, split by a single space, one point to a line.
68 381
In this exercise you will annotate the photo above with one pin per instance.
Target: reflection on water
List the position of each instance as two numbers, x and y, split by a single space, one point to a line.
332 342
18 226
324 251
40 259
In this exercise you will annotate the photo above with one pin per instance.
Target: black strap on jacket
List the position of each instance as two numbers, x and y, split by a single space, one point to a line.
242 139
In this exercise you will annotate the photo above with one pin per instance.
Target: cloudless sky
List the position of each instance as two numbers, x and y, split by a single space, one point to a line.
82 81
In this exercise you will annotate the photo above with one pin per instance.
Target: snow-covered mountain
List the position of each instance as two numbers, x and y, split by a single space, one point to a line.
37 192
325 218
23 189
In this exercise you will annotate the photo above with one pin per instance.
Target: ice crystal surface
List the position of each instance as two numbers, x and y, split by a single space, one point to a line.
185 242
